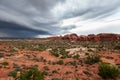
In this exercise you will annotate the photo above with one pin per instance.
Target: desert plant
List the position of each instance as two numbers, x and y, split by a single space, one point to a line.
59 52
87 73
54 71
108 71
13 49
36 59
64 53
1 55
15 65
68 72
55 52
77 78
30 74
42 47
73 63
45 73
76 56
5 63
13 74
92 59
117 47
46 68
60 62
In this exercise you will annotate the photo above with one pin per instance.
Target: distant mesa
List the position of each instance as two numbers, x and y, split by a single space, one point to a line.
102 37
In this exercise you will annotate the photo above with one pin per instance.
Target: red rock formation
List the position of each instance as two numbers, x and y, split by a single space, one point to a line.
71 37
108 37
90 37
93 37
83 38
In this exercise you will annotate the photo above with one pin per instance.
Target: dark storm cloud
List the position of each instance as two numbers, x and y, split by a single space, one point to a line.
34 15
18 31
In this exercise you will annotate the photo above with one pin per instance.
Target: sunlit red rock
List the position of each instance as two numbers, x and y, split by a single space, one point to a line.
71 37
108 37
83 38
91 37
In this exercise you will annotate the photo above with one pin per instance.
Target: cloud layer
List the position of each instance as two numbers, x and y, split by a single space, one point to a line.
41 18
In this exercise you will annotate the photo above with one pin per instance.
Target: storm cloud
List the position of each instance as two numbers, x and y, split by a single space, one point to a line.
40 18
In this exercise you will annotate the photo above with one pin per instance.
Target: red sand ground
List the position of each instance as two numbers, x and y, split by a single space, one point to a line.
20 58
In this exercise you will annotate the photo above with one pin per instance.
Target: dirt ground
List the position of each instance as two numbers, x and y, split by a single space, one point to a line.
67 71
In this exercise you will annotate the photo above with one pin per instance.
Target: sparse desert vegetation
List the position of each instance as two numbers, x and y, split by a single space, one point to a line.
59 60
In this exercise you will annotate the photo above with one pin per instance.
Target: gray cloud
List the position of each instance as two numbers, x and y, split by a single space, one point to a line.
87 8
45 17
111 29
18 31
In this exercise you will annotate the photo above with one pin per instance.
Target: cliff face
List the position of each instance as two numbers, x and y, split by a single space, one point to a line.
90 37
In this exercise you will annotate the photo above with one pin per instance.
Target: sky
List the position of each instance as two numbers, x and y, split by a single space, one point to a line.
43 18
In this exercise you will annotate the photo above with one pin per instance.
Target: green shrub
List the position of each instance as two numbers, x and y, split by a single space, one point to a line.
29 74
13 49
5 63
46 67
117 47
1 66
77 78
1 55
55 52
76 56
42 47
15 65
92 59
87 73
13 74
45 73
68 72
54 71
36 59
60 62
59 52
73 63
108 71
63 53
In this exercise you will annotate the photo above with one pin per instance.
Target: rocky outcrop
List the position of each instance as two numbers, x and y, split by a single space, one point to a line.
91 37
83 38
109 37
71 37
